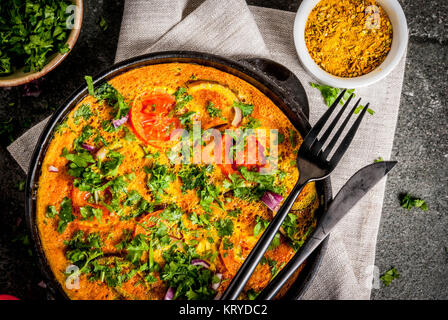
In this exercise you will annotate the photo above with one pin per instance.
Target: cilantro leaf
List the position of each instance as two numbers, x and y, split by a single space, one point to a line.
409 202
189 281
330 94
224 227
136 247
82 112
213 112
160 178
65 214
182 98
389 276
31 32
246 109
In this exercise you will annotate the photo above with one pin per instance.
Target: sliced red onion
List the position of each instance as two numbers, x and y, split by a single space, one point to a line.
272 200
215 286
200 262
53 169
238 117
101 154
119 122
169 294
32 89
88 147
218 296
42 284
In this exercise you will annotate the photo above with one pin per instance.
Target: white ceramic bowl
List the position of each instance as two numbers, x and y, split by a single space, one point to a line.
398 48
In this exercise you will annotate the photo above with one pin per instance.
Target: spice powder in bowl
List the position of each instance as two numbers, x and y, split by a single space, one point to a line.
348 38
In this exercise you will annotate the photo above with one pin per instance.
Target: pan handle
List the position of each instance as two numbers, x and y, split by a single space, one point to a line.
285 80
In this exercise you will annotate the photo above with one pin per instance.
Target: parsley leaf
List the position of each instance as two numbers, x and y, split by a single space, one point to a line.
224 227
182 98
88 213
82 112
189 281
160 178
65 214
260 226
246 109
136 247
330 94
389 276
212 111
31 32
409 202
106 92
82 250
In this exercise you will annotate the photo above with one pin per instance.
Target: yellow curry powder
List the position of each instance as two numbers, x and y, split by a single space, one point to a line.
348 38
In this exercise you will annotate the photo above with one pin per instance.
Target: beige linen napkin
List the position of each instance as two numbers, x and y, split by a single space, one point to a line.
231 28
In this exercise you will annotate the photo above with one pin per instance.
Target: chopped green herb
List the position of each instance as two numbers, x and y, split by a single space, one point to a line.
212 111
409 202
106 92
65 214
160 178
129 135
31 32
380 159
246 109
330 94
182 98
234 213
103 24
82 250
360 108
227 244
88 213
136 247
82 112
260 226
186 118
172 213
224 227
51 212
7 129
389 276
189 281
252 294
253 123
293 138
21 185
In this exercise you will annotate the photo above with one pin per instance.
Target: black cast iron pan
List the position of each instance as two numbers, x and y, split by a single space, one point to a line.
274 80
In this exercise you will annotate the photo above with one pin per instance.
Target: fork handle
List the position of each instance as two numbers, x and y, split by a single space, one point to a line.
287 271
247 268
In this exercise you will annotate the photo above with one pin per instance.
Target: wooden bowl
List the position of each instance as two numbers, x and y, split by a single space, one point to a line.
19 77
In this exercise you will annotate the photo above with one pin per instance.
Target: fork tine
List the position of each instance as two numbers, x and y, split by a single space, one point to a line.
348 138
312 135
320 142
333 141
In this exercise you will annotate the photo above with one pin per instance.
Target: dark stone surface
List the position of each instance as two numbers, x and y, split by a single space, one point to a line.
412 241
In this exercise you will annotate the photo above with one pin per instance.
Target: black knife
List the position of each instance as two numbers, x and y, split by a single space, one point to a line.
355 188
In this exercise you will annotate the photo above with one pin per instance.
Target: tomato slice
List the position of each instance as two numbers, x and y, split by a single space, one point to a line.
145 223
79 199
150 117
249 154
8 297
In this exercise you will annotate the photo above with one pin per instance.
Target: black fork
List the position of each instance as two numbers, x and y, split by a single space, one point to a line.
313 166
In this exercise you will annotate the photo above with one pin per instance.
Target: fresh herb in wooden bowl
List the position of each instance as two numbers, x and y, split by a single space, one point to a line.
35 36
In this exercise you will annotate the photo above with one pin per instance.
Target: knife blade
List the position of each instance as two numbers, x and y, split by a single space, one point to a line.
355 188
